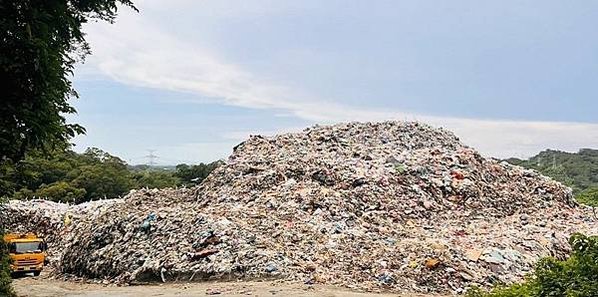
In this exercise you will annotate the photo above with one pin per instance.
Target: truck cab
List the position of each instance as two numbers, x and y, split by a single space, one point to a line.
27 253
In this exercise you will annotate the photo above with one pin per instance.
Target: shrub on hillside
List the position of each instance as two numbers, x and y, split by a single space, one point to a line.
588 197
5 280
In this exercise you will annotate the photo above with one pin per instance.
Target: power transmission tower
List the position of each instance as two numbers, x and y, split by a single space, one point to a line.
151 158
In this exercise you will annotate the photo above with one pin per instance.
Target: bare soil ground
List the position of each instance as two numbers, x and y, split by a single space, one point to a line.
41 287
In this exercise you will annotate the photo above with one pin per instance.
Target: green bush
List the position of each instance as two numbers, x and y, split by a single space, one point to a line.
154 179
191 175
575 277
61 191
5 280
400 168
588 197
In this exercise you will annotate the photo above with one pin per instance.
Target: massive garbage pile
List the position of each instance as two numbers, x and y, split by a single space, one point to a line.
397 206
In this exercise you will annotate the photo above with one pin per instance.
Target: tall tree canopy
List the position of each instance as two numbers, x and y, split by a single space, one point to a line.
41 41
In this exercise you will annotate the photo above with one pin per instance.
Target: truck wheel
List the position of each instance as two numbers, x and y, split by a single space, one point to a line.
36 273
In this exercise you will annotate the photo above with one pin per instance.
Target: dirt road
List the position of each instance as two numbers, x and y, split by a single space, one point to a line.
40 287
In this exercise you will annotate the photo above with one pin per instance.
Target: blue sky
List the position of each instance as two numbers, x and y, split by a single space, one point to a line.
190 79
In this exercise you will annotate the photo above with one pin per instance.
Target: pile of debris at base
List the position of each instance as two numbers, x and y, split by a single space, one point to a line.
48 219
396 206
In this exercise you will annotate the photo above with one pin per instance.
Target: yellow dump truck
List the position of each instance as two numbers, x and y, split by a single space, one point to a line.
27 253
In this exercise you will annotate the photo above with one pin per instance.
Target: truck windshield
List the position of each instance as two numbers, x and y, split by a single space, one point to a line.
28 247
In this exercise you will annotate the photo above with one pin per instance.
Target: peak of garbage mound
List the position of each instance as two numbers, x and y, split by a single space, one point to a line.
398 206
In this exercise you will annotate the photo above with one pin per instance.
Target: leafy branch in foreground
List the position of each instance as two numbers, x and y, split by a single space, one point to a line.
41 42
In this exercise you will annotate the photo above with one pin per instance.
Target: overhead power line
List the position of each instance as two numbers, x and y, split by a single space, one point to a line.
151 157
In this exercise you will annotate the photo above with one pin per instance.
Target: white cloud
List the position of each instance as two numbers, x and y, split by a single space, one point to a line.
521 139
136 52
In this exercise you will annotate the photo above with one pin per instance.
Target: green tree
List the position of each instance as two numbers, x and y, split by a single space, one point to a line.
41 41
589 197
7 184
43 168
102 176
61 191
154 179
195 174
67 176
70 177
5 287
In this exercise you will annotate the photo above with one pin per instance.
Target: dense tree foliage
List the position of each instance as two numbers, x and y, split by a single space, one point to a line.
193 174
574 277
577 170
5 288
41 41
589 197
154 178
70 177
67 176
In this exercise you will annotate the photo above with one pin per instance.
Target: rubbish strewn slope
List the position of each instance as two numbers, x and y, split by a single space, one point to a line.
395 206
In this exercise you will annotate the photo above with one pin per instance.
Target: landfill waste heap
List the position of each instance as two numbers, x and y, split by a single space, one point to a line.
389 206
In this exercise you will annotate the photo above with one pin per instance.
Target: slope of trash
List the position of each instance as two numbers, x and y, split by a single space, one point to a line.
397 206
50 220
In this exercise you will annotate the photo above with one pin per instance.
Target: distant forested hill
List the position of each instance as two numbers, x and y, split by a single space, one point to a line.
68 176
577 170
